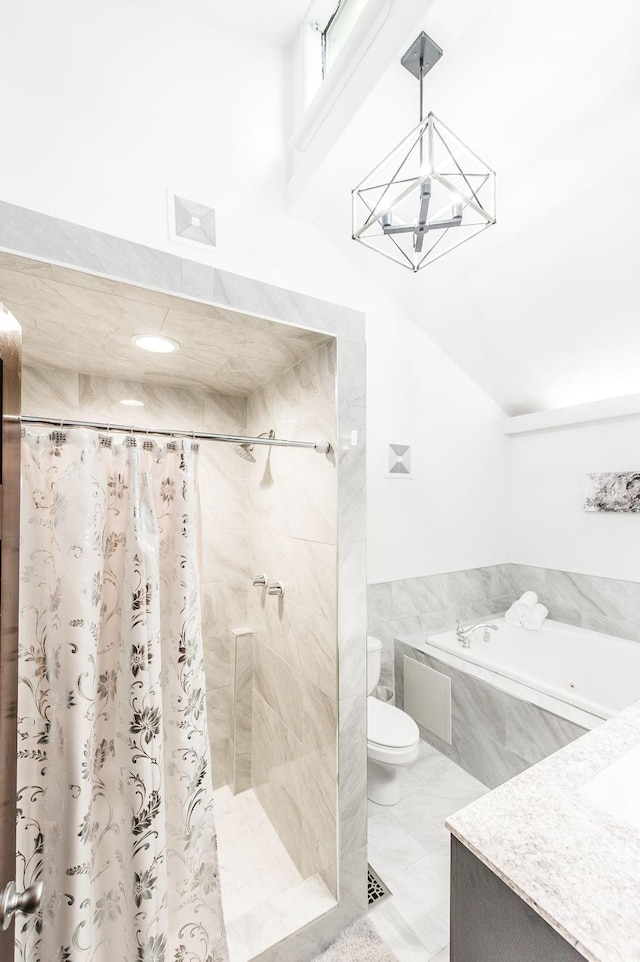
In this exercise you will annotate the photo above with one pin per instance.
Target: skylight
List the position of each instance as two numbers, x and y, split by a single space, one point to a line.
338 28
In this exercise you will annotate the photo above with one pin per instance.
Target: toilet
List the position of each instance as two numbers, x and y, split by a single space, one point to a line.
392 737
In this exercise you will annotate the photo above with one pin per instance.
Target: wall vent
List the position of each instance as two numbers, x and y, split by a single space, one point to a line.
191 221
399 461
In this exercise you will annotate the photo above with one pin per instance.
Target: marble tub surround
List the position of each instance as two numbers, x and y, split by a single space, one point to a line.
431 602
495 735
292 538
602 604
572 862
435 601
37 236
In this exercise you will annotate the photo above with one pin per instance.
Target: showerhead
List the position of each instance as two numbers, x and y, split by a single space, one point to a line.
244 450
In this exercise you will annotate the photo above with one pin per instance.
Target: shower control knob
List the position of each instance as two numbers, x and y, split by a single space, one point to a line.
275 588
27 902
260 581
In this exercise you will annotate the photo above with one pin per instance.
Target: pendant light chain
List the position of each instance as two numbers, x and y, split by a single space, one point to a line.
421 106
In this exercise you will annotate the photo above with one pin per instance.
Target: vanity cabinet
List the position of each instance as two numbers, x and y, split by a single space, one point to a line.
490 923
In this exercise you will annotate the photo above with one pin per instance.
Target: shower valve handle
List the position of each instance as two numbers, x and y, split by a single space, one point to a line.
27 902
260 581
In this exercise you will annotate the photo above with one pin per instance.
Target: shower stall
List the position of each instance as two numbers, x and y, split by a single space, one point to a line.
181 647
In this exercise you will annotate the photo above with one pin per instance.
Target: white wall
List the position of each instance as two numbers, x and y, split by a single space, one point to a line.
452 514
104 107
547 526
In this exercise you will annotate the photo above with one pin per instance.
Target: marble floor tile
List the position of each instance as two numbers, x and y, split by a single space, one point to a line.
426 771
442 955
423 812
391 848
409 848
397 933
422 899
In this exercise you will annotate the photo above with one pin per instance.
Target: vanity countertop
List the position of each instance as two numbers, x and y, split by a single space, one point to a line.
564 855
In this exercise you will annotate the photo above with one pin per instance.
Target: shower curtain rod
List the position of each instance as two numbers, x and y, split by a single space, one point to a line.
322 447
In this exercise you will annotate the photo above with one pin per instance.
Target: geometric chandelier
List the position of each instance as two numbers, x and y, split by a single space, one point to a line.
430 194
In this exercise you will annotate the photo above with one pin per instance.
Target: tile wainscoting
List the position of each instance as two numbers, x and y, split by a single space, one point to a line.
602 604
431 603
434 602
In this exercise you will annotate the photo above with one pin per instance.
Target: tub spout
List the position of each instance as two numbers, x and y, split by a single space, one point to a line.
464 634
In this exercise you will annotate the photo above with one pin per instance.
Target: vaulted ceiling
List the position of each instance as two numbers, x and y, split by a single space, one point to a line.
541 309
275 21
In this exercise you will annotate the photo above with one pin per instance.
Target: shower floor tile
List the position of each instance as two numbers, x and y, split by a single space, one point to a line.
254 864
264 896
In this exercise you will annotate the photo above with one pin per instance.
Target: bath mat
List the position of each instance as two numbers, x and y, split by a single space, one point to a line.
358 943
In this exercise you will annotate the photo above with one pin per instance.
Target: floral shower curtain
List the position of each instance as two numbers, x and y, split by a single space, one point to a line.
115 800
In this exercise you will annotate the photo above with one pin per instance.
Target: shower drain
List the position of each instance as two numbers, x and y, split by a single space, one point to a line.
377 891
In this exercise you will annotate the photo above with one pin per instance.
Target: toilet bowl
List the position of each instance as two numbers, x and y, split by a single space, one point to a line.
392 737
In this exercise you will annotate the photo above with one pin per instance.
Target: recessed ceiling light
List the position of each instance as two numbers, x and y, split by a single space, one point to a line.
155 343
132 403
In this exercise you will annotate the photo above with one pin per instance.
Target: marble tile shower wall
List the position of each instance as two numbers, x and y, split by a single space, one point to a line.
60 393
435 601
293 538
35 235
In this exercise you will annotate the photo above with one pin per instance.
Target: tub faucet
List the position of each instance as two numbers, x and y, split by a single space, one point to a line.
464 634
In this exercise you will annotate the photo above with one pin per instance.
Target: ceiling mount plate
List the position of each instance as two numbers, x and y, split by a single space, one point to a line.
422 51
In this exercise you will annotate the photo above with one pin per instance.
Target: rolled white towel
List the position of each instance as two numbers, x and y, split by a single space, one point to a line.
525 603
512 617
533 619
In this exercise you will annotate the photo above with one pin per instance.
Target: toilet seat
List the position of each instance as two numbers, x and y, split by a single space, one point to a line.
393 741
388 727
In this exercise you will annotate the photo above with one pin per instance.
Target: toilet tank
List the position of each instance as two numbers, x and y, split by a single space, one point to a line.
374 659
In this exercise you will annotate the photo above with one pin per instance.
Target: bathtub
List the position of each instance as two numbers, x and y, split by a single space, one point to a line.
593 672
506 703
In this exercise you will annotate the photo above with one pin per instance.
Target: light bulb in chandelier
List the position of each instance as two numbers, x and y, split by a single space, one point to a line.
431 193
